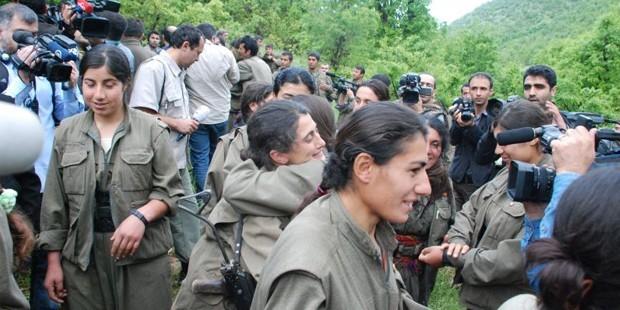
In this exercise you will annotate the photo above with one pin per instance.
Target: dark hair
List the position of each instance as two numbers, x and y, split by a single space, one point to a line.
269 46
207 30
38 6
521 113
463 86
249 44
167 33
542 70
154 32
9 10
438 174
361 68
135 28
220 35
481 75
273 128
185 33
110 57
287 54
253 92
584 246
258 37
379 88
315 55
118 24
383 78
322 114
379 130
294 75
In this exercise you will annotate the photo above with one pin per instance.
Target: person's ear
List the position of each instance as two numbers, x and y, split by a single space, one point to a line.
553 90
586 286
254 106
534 143
186 45
364 168
279 158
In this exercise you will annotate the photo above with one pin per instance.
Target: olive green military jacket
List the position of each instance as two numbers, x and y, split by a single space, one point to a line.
492 225
324 260
227 156
252 69
142 168
11 297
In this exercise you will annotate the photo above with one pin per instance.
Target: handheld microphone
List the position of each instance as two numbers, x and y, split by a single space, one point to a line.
518 135
199 116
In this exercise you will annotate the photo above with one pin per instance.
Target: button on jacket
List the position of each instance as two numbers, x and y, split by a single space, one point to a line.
142 169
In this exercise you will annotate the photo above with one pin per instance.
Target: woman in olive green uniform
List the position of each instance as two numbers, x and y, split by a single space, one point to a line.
285 161
109 186
337 253
429 220
484 242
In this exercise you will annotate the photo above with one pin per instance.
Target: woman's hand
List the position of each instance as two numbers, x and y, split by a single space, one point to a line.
127 237
432 256
54 278
455 249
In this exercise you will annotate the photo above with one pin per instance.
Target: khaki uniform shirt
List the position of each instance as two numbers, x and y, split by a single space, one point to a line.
252 69
324 260
140 171
322 78
492 225
11 297
160 86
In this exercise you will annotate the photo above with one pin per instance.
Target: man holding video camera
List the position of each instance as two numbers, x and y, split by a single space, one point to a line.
29 64
467 128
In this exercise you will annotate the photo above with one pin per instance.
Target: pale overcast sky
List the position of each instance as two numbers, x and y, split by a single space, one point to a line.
450 10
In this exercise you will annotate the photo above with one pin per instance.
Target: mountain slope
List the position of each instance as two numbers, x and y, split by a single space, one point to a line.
521 27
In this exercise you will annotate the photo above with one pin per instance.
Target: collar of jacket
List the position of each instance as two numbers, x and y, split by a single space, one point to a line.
384 234
86 125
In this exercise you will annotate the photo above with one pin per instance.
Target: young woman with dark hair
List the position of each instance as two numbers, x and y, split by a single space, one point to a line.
110 185
370 91
322 114
337 254
579 265
284 161
292 82
429 220
484 242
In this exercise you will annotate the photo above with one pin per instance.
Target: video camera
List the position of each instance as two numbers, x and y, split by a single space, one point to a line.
53 51
466 107
341 84
89 24
409 88
527 182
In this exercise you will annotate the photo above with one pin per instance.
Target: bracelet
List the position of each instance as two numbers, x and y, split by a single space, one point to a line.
139 215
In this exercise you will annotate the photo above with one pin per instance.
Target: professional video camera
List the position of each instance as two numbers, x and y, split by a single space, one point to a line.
341 84
409 88
91 25
527 182
466 107
52 53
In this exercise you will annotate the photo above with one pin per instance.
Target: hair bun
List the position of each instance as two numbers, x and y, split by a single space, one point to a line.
335 173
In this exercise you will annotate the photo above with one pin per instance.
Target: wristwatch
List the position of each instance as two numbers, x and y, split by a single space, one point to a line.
139 215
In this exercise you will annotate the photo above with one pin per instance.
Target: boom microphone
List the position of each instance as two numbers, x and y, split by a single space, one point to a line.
518 135
23 37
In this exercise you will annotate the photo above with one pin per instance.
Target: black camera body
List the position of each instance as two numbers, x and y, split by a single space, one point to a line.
341 84
409 88
91 25
466 107
527 182
53 51
240 285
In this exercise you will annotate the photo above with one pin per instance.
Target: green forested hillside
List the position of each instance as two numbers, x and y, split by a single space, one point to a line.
580 39
522 27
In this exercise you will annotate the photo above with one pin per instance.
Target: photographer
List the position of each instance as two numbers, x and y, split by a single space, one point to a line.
466 173
51 101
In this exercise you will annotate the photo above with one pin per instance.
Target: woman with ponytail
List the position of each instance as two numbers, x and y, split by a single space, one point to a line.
580 265
337 254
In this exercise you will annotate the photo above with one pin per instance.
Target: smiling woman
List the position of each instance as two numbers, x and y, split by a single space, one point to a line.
337 254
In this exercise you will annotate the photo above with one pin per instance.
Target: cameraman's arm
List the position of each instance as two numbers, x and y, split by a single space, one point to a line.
68 101
485 150
456 133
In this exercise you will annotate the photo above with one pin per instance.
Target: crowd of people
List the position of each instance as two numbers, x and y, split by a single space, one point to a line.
322 192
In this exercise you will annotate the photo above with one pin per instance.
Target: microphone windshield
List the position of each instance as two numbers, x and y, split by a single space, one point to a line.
518 135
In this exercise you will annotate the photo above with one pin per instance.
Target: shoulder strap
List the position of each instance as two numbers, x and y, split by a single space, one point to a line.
238 240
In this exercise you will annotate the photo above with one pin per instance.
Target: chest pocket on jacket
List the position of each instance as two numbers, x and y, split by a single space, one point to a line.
508 220
73 165
136 170
174 98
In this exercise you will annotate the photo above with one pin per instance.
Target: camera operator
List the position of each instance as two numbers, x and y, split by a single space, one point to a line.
51 101
467 175
46 23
